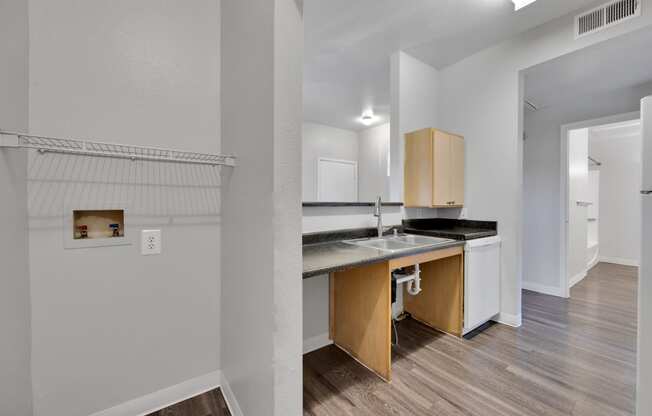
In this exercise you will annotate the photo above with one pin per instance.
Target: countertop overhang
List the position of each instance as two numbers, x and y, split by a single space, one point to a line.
328 257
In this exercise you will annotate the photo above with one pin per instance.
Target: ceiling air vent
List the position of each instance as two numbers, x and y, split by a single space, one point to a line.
605 16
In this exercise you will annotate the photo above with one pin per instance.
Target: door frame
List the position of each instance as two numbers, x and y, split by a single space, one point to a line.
564 290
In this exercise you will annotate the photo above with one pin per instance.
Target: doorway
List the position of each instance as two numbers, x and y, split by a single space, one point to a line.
601 179
582 163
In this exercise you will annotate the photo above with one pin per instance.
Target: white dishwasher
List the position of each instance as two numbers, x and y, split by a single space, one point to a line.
481 281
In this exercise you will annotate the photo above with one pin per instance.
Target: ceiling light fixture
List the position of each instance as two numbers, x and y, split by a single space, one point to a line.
368 118
519 4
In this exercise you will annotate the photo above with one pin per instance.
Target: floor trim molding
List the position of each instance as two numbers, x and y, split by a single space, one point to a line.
168 396
316 342
230 398
577 278
546 290
509 319
619 260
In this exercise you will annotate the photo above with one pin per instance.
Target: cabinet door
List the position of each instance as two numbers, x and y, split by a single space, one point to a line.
457 169
418 169
441 174
481 282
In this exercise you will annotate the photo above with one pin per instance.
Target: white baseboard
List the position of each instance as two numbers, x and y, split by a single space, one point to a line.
509 319
621 261
593 263
231 401
577 278
166 397
546 290
315 343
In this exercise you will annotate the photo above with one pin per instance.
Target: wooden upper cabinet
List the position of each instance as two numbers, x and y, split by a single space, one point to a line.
457 169
418 173
434 169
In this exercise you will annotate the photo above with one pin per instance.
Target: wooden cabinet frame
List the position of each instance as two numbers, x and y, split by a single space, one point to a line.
434 169
361 309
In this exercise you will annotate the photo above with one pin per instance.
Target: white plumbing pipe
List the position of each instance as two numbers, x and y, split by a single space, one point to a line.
414 285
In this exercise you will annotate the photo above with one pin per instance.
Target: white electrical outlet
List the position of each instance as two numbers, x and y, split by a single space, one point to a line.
150 242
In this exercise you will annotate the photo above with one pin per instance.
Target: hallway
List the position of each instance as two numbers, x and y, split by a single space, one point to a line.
572 356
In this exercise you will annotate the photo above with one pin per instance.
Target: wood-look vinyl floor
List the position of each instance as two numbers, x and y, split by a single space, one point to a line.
210 403
572 356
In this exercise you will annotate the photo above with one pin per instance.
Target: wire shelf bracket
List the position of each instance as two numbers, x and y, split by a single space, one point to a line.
100 149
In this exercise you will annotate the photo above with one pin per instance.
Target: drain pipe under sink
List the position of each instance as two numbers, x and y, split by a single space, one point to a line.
413 281
414 285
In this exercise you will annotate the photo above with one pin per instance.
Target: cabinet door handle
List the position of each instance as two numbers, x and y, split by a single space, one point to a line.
646 192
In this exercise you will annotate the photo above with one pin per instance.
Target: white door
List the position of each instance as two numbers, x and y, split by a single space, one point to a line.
644 393
337 180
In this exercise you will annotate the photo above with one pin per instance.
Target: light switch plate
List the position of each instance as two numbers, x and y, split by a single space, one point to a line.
150 242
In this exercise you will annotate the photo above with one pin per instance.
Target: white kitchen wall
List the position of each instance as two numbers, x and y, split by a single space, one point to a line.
324 141
372 165
110 325
261 258
620 199
483 102
415 96
318 219
542 170
15 315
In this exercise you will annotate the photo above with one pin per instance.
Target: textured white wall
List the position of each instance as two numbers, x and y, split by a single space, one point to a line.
108 324
372 165
15 315
324 141
542 167
261 257
483 102
288 266
620 200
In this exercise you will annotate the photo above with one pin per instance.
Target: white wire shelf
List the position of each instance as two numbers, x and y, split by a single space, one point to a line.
99 149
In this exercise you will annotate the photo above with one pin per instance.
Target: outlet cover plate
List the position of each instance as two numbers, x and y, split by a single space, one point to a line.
150 242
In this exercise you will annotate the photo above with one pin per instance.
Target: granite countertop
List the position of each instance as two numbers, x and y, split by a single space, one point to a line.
451 228
334 256
349 204
456 233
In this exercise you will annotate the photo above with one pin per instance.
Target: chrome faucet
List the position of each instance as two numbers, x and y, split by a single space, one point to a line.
378 214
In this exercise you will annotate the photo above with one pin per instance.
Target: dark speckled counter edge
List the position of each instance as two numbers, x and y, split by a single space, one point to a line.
388 256
454 235
350 204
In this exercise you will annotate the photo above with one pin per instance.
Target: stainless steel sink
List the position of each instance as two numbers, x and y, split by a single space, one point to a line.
385 244
400 242
419 239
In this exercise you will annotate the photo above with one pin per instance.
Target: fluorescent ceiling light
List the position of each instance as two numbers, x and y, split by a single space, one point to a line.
519 4
368 118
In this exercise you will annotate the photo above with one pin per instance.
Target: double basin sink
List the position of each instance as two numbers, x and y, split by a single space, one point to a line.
394 243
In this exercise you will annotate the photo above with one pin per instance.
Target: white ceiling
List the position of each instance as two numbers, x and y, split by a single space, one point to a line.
348 44
618 63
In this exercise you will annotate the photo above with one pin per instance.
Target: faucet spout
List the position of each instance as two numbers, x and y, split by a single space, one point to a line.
378 214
